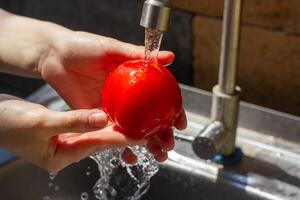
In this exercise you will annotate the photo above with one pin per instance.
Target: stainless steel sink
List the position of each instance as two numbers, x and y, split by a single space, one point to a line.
23 181
270 168
271 176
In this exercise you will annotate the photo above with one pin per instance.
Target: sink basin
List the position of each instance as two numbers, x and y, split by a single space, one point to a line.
23 181
266 172
270 168
181 177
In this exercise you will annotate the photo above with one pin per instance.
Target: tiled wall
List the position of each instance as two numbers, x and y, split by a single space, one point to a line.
269 65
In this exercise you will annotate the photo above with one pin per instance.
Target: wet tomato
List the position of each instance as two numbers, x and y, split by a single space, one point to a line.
141 98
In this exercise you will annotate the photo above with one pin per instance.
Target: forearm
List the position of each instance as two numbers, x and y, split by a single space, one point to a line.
24 42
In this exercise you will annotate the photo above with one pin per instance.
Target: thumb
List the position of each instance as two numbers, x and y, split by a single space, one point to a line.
76 121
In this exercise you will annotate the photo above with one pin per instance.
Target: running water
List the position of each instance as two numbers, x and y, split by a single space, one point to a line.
122 181
119 180
153 39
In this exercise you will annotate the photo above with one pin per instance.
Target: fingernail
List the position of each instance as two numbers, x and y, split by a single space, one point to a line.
98 119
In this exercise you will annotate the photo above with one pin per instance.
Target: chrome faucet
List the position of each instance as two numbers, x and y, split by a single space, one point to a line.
156 14
218 137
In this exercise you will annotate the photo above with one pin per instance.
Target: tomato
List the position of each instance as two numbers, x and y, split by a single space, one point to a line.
141 98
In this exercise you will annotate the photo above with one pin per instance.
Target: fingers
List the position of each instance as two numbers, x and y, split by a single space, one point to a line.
155 148
166 140
160 144
96 140
181 122
75 121
124 51
72 147
104 138
166 57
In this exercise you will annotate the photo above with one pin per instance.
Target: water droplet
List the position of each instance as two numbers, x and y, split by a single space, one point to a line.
278 154
56 188
88 173
84 196
50 184
113 192
46 198
51 176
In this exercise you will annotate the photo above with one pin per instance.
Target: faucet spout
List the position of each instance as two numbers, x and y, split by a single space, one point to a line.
156 14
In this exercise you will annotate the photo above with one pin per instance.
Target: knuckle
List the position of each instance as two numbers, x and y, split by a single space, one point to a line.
72 120
37 118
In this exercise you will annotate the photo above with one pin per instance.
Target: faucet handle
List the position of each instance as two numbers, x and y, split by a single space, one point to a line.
204 148
205 145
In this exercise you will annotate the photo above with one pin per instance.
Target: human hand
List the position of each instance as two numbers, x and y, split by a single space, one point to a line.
78 68
78 64
32 132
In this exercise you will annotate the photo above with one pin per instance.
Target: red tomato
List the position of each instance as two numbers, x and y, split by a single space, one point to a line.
142 98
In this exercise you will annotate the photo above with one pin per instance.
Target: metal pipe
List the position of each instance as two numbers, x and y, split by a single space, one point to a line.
230 46
156 14
221 132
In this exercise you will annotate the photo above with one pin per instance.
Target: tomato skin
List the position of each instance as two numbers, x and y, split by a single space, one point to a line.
142 98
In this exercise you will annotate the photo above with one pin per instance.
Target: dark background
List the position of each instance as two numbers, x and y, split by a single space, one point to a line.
114 18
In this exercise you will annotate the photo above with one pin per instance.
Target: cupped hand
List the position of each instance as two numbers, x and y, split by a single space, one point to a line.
78 65
53 140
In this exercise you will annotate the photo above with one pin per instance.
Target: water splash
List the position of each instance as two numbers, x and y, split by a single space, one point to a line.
84 196
122 181
46 198
56 188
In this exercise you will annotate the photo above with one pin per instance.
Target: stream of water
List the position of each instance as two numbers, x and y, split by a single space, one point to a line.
153 39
